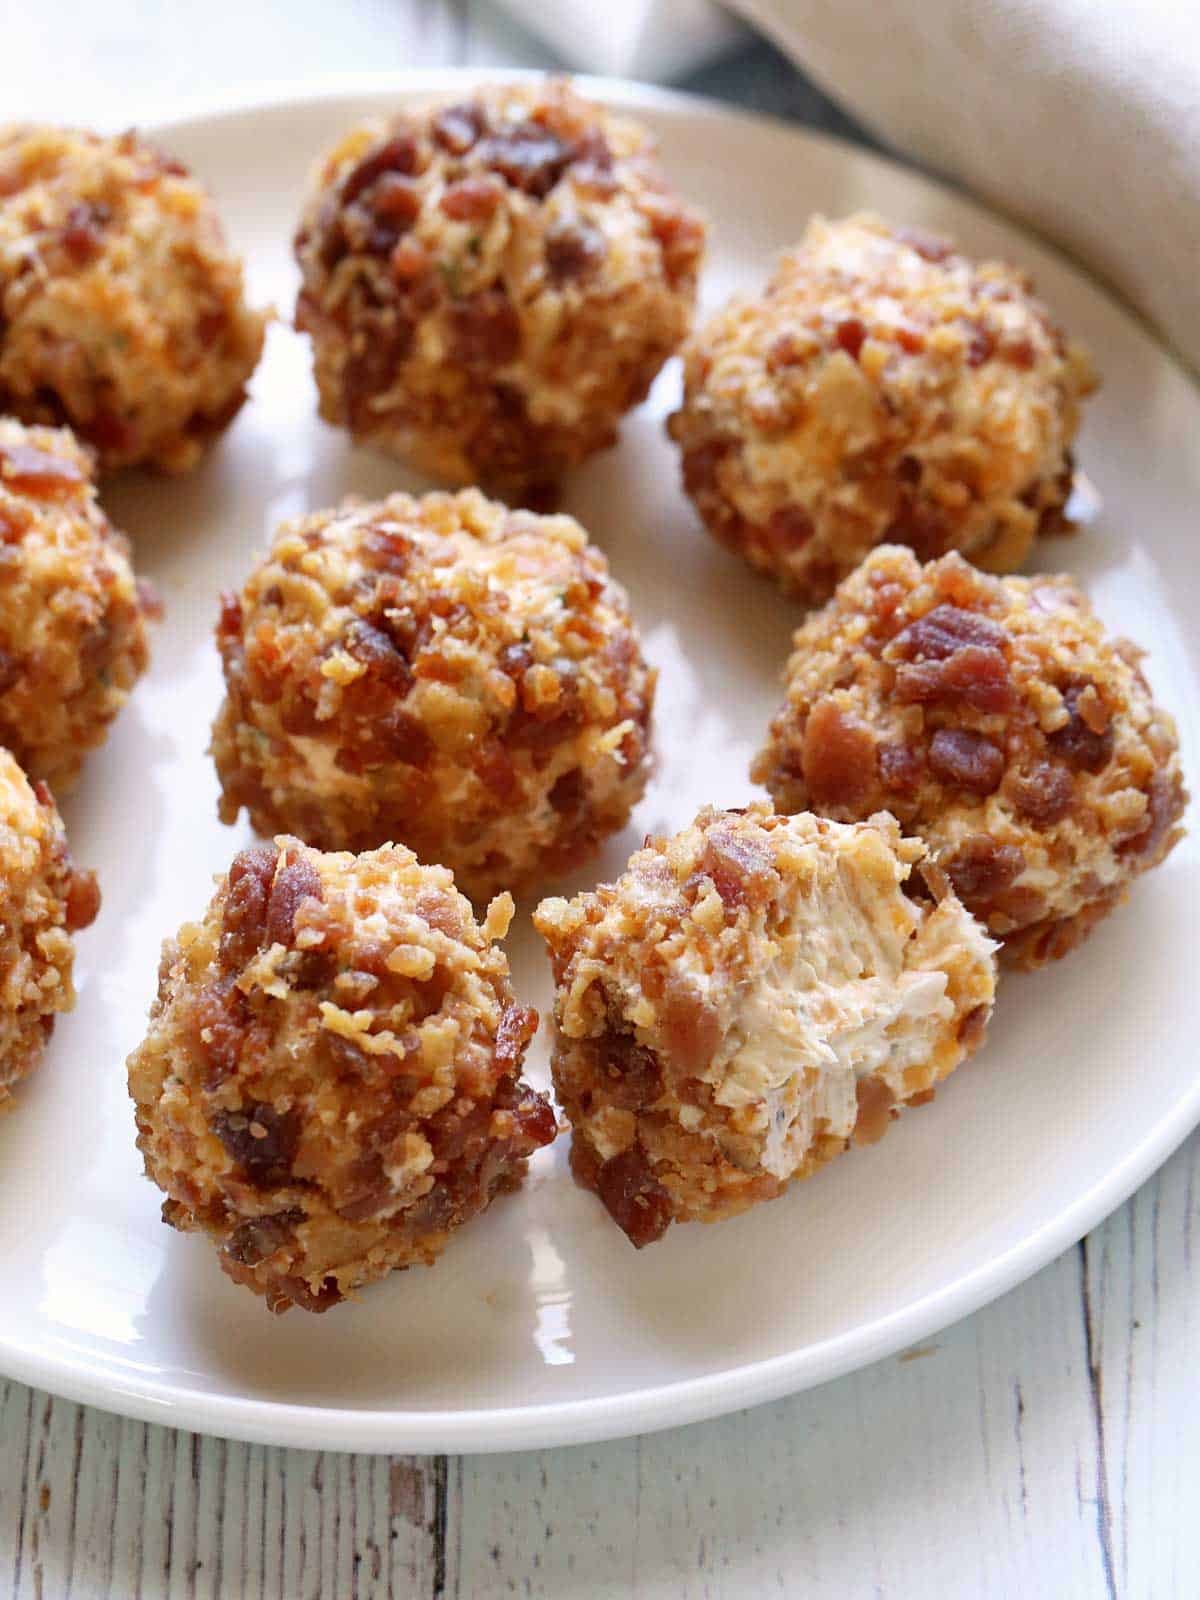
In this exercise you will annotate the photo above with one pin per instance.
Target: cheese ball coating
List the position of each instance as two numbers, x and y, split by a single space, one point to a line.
490 285
442 671
44 899
746 1000
331 1080
121 306
72 614
996 719
882 388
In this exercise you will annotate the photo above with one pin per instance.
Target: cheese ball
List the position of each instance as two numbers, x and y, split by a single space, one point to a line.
882 388
72 614
490 285
44 899
121 306
442 671
996 719
748 999
330 1084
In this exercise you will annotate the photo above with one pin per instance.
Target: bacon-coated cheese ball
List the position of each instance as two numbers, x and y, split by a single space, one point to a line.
745 1001
996 719
121 306
44 899
331 1080
72 614
442 671
882 388
490 285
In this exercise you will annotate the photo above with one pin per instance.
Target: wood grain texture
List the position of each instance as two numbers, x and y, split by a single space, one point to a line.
1045 1447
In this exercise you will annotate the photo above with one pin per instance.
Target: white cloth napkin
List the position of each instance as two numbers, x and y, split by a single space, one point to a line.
659 39
1079 117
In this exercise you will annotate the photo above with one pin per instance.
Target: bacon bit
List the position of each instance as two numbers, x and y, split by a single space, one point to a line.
37 472
253 1241
741 867
680 236
396 200
901 767
692 1027
973 676
221 1020
397 154
83 900
876 1108
293 1291
636 1202
82 234
373 367
981 345
528 157
471 199
485 328
838 757
946 629
517 1026
260 1140
110 433
631 1075
700 466
409 261
788 528
387 669
14 524
458 127
981 868
1085 742
297 880
573 250
1018 352
534 1121
908 338
920 526
568 793
494 768
593 165
1165 802
244 920
850 335
958 756
1043 794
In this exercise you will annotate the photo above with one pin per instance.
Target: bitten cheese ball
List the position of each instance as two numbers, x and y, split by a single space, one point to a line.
44 899
996 719
882 388
72 614
490 285
749 998
331 1080
121 306
442 671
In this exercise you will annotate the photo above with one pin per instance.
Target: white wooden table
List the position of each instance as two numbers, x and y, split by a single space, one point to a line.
1048 1446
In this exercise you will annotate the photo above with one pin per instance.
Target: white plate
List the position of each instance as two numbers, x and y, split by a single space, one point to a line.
540 1325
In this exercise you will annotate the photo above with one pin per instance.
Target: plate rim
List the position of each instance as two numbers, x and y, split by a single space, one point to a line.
689 1400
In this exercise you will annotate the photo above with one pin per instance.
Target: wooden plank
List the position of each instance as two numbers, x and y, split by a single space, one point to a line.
1145 1345
962 1468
